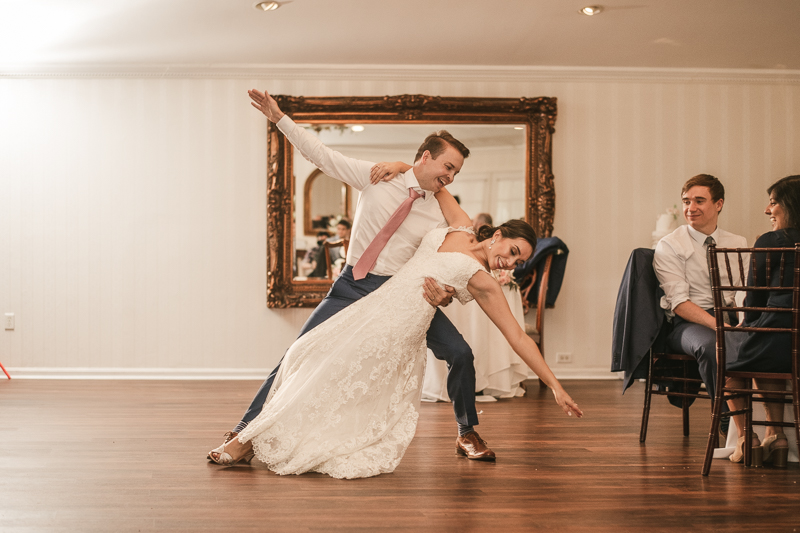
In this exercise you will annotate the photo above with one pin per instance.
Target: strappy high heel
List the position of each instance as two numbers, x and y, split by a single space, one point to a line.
225 459
756 457
229 435
777 455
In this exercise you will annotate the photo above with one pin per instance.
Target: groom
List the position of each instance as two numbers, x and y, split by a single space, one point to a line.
437 162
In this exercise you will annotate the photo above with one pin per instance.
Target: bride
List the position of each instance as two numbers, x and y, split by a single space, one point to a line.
345 401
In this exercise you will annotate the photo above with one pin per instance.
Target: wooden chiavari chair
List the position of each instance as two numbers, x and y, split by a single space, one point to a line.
789 282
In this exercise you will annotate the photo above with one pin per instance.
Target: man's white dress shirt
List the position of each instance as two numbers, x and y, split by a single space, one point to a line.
376 203
681 265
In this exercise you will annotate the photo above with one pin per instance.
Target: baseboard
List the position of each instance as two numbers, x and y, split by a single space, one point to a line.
585 373
218 373
140 373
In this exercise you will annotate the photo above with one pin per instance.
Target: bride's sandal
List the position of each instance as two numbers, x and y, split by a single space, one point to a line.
777 455
229 435
225 459
222 457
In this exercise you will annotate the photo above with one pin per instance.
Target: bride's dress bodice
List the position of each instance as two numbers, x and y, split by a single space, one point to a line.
345 400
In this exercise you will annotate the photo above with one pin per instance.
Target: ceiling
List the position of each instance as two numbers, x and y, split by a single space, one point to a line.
725 34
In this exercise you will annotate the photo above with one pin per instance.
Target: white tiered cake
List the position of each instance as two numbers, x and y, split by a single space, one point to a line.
666 223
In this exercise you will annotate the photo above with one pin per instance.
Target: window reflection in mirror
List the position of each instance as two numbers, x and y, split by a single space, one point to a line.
325 201
492 179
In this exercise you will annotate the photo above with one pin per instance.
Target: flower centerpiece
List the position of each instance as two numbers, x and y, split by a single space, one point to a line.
504 278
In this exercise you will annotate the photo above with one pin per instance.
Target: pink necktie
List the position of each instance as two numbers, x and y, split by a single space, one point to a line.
370 255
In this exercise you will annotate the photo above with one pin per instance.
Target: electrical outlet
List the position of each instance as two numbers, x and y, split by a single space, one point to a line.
563 358
9 320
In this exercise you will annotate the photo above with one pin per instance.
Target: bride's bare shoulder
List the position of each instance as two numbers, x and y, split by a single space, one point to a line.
457 241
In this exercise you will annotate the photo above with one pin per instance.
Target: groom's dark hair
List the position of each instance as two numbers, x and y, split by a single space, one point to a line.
436 143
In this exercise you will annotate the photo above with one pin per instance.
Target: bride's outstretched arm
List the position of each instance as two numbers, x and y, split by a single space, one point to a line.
453 214
386 171
489 295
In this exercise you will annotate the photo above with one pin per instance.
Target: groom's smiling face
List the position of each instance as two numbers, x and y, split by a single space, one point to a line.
434 174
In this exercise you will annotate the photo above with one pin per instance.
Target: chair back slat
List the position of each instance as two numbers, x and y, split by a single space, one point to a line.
742 273
728 268
768 268
796 315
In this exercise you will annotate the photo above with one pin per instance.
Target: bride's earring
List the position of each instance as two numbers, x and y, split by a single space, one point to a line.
490 244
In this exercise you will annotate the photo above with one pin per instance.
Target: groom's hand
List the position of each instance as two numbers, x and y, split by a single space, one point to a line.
266 104
435 295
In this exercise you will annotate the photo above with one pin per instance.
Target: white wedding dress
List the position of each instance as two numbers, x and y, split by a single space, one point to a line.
345 401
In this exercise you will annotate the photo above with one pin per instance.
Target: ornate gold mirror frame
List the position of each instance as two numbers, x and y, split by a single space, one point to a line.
537 114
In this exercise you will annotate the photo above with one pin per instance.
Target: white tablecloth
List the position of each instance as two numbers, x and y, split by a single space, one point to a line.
498 370
758 414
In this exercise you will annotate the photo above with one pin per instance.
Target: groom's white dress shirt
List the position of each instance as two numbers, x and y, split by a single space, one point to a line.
376 203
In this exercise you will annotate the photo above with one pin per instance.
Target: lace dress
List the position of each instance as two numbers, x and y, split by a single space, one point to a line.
346 397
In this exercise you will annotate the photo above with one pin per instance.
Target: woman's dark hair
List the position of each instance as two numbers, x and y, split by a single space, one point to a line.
786 192
513 229
344 222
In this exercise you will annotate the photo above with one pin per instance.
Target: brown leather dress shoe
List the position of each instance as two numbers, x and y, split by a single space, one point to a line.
474 447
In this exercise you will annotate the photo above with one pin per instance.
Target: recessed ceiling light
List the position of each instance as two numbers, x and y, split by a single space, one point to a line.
591 10
267 6
357 128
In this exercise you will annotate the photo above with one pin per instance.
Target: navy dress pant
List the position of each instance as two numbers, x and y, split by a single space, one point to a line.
443 339
699 341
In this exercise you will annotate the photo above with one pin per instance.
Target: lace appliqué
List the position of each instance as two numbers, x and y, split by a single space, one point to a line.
465 229
345 401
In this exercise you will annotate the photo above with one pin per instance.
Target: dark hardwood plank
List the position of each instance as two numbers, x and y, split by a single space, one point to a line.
130 456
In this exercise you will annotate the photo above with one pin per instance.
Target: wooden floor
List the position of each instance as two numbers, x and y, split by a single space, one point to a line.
130 456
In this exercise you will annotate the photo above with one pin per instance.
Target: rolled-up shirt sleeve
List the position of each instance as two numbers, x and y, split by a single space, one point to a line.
671 273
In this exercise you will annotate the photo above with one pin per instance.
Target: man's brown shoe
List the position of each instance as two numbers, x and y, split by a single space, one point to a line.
474 447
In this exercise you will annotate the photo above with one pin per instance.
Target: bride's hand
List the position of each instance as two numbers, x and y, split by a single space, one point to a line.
566 403
386 171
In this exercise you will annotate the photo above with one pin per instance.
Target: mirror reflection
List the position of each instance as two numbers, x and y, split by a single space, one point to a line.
492 180
325 201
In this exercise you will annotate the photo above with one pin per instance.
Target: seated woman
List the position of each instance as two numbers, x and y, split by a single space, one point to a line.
768 352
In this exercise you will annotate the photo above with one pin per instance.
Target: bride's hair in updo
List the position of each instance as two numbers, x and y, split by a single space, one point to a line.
513 229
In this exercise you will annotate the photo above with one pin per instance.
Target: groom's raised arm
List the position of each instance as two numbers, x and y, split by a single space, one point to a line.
354 172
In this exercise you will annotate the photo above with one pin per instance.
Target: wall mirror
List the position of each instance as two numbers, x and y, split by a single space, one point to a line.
507 174
325 200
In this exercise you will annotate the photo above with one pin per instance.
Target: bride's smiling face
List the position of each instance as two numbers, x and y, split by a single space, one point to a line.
506 254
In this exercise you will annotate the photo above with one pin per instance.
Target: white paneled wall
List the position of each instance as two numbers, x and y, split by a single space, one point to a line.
132 209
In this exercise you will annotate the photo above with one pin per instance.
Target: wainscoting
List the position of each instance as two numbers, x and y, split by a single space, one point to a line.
133 211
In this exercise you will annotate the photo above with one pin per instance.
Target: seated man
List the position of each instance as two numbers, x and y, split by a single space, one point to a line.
681 266
343 229
481 219
315 258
